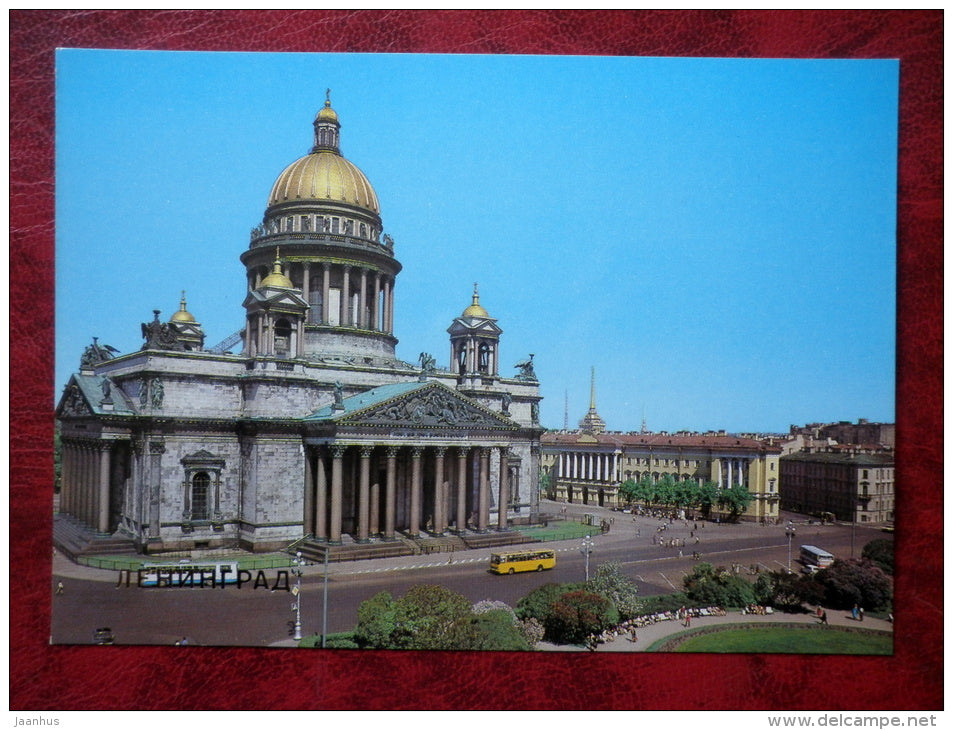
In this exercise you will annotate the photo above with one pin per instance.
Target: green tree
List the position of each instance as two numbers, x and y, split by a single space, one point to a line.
881 552
545 485
663 491
376 622
429 615
57 458
537 603
686 493
718 587
609 582
856 581
787 591
629 490
707 497
496 630
735 499
576 615
638 491
426 617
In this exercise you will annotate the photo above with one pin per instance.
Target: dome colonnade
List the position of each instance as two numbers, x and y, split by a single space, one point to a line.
323 225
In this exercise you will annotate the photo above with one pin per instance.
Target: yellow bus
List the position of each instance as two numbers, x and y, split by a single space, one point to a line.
522 561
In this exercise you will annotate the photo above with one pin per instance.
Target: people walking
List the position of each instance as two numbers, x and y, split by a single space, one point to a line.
59 588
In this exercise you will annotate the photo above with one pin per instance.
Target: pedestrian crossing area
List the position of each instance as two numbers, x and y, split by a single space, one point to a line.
448 559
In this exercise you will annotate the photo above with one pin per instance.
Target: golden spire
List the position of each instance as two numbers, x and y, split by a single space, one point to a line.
592 390
592 422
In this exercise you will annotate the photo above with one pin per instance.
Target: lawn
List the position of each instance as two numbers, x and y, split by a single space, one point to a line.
786 639
560 531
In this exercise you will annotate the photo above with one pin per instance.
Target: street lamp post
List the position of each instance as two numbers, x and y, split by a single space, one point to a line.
790 531
586 551
297 561
324 614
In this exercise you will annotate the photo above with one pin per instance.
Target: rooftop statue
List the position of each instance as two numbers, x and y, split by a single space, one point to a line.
96 353
527 372
160 335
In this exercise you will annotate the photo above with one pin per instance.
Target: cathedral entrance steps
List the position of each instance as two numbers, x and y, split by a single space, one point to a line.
476 541
315 550
74 538
438 544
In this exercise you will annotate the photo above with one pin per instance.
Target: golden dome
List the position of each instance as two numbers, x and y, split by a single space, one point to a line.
276 277
183 314
475 310
324 176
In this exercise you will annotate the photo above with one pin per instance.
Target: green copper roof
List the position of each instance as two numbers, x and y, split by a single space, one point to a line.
365 400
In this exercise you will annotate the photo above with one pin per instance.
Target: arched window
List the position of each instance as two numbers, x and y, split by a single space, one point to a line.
282 336
200 495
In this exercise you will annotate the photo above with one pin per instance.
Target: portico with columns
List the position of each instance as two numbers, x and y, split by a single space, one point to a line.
415 458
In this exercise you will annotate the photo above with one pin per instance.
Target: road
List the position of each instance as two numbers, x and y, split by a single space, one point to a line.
259 617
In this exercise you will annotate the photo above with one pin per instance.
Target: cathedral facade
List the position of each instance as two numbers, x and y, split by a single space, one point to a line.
304 425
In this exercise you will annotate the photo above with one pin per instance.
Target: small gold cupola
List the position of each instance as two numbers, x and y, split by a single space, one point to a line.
475 310
327 129
277 277
183 315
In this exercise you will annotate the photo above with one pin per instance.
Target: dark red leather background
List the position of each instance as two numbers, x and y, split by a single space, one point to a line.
139 678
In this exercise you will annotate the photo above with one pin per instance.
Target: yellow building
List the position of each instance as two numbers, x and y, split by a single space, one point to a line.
588 468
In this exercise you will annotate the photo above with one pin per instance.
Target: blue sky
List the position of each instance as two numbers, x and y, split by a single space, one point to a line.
717 237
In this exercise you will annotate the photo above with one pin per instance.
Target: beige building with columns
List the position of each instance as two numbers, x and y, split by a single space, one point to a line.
587 466
303 426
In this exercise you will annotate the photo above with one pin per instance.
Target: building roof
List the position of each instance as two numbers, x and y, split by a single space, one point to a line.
365 400
840 457
656 441
93 390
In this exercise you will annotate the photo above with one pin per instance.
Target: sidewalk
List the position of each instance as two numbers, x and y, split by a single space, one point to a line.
648 635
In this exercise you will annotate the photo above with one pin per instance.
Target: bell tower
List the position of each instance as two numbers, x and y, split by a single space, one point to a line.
275 316
475 345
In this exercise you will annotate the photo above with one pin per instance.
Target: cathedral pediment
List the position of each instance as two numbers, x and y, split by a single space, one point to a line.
422 405
274 298
73 402
472 325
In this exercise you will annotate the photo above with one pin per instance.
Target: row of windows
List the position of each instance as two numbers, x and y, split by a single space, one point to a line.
644 461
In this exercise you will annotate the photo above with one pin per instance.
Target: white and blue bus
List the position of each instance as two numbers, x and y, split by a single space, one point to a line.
811 555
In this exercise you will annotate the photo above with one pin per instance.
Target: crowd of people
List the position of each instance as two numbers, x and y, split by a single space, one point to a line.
629 629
